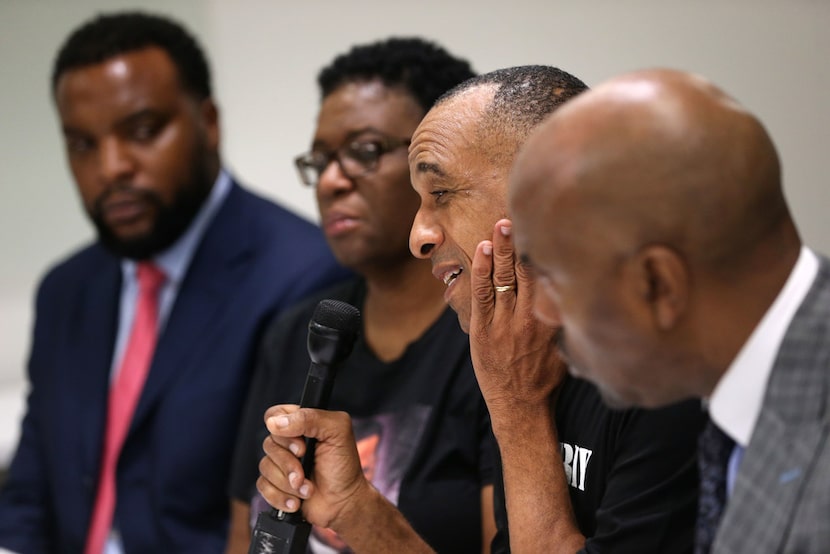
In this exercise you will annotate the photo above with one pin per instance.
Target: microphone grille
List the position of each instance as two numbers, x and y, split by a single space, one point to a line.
337 315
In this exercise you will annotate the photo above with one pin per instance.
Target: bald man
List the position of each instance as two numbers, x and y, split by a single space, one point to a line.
577 476
652 212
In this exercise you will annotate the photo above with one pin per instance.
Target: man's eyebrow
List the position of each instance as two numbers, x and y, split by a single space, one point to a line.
138 116
425 167
350 136
364 131
70 130
126 121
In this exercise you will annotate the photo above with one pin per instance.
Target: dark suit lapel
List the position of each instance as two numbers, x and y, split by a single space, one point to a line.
791 429
775 468
88 356
218 263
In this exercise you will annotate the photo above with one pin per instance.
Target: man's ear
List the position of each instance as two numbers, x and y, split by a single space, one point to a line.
664 283
210 117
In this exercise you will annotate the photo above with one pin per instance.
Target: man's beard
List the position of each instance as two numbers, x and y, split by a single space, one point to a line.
170 221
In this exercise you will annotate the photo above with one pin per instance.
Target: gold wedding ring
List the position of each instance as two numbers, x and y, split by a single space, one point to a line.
504 288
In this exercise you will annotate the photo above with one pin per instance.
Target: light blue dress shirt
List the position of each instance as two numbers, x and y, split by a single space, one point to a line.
174 263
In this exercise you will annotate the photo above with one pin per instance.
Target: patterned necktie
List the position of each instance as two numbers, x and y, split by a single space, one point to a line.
123 398
714 449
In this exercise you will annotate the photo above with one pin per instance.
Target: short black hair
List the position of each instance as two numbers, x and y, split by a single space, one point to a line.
524 95
109 35
422 68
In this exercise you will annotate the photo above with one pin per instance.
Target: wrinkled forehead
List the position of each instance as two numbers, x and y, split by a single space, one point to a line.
452 129
461 112
444 121
440 145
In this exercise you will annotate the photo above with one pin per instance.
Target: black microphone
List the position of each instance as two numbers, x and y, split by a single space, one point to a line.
332 332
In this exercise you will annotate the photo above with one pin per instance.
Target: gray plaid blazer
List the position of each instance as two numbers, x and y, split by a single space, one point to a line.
781 499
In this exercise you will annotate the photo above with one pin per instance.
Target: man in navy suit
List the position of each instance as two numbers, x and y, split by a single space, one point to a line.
142 139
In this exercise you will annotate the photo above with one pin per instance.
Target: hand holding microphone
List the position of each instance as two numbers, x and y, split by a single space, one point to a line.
332 332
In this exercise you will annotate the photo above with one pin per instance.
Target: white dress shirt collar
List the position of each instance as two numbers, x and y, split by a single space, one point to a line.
736 401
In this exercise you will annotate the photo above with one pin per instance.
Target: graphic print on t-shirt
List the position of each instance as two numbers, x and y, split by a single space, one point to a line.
576 460
386 444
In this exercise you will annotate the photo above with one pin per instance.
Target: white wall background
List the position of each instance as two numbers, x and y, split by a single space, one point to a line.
770 54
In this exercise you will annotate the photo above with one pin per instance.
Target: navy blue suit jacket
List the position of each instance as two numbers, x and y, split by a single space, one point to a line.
255 259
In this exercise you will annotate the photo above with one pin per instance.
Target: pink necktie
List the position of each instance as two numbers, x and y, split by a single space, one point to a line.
123 397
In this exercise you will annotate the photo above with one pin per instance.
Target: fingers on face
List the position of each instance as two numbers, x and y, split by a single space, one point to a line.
525 287
505 282
524 276
523 280
504 272
481 282
494 272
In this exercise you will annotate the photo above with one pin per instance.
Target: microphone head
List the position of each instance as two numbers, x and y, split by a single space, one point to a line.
338 315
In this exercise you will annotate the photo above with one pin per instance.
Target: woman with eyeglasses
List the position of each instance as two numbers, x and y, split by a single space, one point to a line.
420 424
